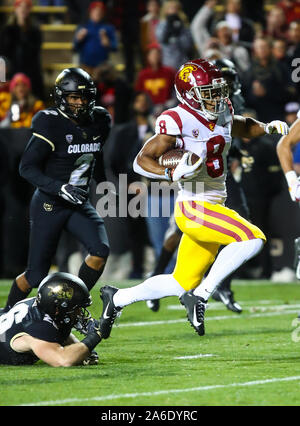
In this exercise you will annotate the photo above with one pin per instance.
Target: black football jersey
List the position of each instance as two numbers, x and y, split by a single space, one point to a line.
25 318
62 151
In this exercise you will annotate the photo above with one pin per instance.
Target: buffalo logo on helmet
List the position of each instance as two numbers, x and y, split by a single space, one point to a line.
62 291
184 74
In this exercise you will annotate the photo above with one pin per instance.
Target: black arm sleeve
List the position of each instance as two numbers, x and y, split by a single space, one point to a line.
31 166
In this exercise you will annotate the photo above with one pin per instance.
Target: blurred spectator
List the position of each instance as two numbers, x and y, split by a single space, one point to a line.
18 106
126 16
222 39
173 34
291 9
294 40
114 93
126 140
242 28
266 86
276 25
279 48
95 39
20 43
157 80
148 25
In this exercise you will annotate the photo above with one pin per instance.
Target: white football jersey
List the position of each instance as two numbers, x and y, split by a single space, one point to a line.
208 140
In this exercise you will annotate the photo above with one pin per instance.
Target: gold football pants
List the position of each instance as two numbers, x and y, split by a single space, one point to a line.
205 228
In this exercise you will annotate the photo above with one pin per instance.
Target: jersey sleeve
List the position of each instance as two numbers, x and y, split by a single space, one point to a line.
168 123
42 126
31 166
43 330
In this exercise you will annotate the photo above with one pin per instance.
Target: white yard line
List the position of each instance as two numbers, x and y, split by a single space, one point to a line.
194 356
164 392
212 318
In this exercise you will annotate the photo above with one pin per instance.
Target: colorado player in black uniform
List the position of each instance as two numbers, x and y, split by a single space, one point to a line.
40 327
62 156
236 199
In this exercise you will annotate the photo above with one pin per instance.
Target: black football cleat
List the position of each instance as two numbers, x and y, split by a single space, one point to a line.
2 311
226 297
154 304
195 307
109 311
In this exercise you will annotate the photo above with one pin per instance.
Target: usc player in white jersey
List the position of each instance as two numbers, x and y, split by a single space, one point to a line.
203 123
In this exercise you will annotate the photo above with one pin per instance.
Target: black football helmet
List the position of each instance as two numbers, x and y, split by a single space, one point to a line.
79 82
64 297
230 74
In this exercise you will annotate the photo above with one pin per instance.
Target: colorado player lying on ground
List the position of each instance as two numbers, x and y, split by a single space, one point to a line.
40 327
203 124
62 156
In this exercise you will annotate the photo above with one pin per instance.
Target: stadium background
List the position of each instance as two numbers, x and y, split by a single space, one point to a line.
58 25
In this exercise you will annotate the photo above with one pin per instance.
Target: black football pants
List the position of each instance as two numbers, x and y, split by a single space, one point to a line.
48 217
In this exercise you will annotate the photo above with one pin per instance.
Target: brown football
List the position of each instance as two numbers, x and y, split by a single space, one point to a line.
170 159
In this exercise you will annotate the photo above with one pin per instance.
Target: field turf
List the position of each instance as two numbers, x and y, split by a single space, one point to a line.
156 359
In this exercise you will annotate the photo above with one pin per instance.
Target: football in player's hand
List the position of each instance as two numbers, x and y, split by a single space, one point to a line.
170 159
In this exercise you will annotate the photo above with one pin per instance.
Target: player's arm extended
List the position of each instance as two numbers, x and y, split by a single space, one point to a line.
248 127
53 354
146 163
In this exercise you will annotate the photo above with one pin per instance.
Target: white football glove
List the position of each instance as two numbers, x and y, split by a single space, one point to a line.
183 171
277 127
294 188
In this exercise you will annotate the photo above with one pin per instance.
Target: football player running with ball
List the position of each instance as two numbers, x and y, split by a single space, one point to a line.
203 123
62 156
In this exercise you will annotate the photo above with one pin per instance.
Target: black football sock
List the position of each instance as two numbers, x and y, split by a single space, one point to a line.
15 295
162 263
89 275
226 284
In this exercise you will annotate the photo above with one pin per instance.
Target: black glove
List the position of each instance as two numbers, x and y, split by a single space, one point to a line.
93 334
93 326
73 194
92 359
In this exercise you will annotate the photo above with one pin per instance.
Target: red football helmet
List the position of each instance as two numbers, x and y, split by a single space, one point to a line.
199 84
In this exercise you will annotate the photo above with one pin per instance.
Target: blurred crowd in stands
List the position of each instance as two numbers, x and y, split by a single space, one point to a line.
132 49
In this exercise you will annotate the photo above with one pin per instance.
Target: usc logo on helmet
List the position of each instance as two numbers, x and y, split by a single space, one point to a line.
184 74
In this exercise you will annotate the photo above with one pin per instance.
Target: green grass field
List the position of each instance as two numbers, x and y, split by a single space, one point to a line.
156 359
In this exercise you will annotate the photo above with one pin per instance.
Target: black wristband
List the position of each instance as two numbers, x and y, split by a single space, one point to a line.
91 341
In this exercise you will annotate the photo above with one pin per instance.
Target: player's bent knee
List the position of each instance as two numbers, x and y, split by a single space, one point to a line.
101 251
95 262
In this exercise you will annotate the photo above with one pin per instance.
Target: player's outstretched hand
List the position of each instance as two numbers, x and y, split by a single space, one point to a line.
183 171
277 127
73 194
